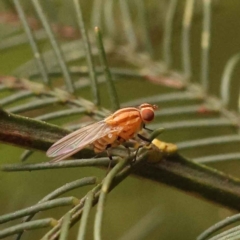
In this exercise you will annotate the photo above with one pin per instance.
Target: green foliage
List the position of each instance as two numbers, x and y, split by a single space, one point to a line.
75 73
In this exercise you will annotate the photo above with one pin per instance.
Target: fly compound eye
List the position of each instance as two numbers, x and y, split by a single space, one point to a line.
147 115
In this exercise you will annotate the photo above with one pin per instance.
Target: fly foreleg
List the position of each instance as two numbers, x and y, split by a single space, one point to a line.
144 138
142 145
144 127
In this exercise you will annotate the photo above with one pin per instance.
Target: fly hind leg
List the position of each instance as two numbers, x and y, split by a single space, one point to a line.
109 156
122 141
128 150
136 153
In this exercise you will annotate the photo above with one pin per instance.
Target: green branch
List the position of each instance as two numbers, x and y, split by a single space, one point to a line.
194 178
28 133
173 170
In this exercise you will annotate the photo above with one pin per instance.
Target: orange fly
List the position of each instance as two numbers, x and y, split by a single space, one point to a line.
110 132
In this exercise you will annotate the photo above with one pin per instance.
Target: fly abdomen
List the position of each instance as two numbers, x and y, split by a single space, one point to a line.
98 147
101 144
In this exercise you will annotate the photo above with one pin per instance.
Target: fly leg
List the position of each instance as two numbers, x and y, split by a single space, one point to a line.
135 157
128 150
140 146
144 127
122 141
144 138
109 156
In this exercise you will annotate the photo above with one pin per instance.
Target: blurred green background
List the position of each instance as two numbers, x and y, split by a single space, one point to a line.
183 216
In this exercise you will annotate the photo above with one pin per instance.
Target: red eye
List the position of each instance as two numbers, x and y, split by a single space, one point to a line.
147 115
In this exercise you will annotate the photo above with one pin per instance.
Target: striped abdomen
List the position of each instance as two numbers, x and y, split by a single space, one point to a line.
129 122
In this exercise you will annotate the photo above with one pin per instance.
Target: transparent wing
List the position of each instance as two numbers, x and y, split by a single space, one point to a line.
79 139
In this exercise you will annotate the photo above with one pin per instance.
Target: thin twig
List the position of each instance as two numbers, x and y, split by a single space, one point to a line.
186 46
109 18
127 24
43 223
33 105
39 207
220 225
205 44
232 233
218 157
102 198
88 52
208 141
57 165
59 191
55 45
167 97
142 12
195 124
15 97
103 58
25 155
63 113
168 29
33 43
85 215
96 15
65 227
227 77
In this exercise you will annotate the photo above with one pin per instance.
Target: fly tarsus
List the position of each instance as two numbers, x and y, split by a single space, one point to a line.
136 153
144 138
144 127
109 156
141 146
108 152
128 150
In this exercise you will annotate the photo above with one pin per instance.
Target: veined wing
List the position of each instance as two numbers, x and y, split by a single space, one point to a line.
79 139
